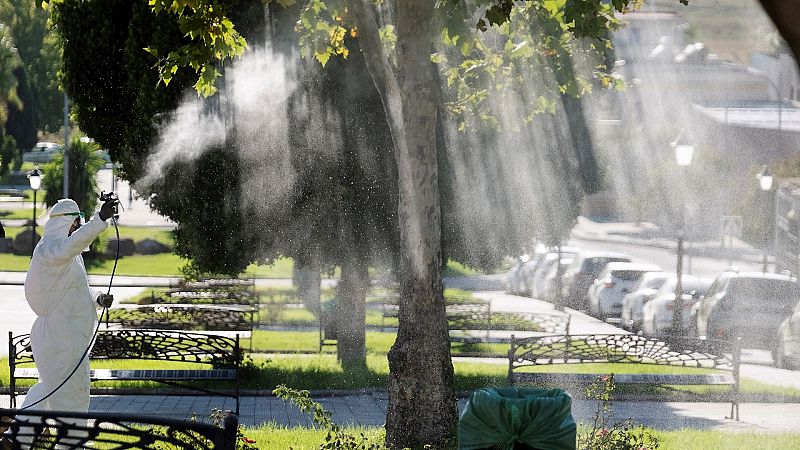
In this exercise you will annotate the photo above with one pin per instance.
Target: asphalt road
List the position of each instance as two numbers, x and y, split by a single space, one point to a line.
694 265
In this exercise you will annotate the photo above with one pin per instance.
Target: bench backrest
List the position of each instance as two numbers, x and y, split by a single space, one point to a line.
181 317
162 345
622 348
118 431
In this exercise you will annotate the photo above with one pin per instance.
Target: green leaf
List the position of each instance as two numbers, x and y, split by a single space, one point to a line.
323 57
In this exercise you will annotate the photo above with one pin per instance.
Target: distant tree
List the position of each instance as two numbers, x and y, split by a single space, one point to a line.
9 60
40 102
8 152
84 163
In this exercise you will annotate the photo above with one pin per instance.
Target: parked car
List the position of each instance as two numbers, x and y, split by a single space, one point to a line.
582 273
514 275
750 305
43 152
549 288
515 280
787 350
644 291
657 314
616 280
535 281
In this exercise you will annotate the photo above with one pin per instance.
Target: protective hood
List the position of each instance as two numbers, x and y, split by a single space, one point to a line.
58 225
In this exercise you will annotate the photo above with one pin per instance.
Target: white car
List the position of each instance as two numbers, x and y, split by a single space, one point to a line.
514 276
548 287
657 313
787 349
44 152
535 282
616 280
643 292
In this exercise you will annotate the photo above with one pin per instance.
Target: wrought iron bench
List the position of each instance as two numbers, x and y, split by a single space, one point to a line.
220 352
721 356
461 313
214 291
46 429
185 317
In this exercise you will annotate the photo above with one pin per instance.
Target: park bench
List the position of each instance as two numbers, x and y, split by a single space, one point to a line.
52 429
722 356
464 313
185 317
10 192
213 291
222 353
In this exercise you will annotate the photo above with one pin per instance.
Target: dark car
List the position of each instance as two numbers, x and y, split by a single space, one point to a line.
748 305
787 352
578 277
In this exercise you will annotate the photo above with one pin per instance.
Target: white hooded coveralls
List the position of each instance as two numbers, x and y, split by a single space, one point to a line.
57 290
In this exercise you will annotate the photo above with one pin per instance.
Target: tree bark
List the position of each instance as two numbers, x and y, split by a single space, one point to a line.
786 16
422 406
351 313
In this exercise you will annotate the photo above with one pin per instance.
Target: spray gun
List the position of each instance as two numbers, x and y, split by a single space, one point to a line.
111 197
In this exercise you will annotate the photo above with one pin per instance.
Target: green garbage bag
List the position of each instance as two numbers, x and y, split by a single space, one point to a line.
502 418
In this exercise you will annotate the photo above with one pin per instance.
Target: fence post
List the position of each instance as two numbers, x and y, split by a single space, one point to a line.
737 361
239 360
511 352
488 320
12 358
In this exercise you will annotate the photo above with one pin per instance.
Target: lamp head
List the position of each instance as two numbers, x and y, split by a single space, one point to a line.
35 178
765 179
683 150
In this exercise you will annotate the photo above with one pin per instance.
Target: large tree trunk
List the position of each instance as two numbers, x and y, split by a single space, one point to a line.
422 406
786 16
350 314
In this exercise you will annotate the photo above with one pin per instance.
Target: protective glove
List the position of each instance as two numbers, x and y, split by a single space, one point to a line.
108 209
105 300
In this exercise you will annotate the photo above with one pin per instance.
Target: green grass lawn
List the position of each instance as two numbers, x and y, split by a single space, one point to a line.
281 438
20 214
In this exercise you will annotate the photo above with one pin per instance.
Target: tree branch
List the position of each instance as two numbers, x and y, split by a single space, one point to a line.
375 57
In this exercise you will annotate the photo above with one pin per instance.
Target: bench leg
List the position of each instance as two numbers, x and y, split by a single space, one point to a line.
734 410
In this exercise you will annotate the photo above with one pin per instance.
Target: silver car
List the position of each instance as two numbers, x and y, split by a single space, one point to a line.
657 314
787 350
535 282
751 306
44 152
643 292
616 280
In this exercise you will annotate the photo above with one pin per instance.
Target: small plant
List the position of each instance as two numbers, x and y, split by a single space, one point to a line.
336 438
605 433
192 440
242 442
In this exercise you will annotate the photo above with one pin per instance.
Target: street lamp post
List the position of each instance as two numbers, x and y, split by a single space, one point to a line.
683 157
765 179
35 179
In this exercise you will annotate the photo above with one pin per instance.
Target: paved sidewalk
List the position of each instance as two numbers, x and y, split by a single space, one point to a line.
369 409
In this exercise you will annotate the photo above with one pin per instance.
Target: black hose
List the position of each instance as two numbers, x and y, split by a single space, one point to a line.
96 329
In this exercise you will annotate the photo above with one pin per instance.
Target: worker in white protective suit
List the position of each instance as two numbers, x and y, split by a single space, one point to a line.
57 290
